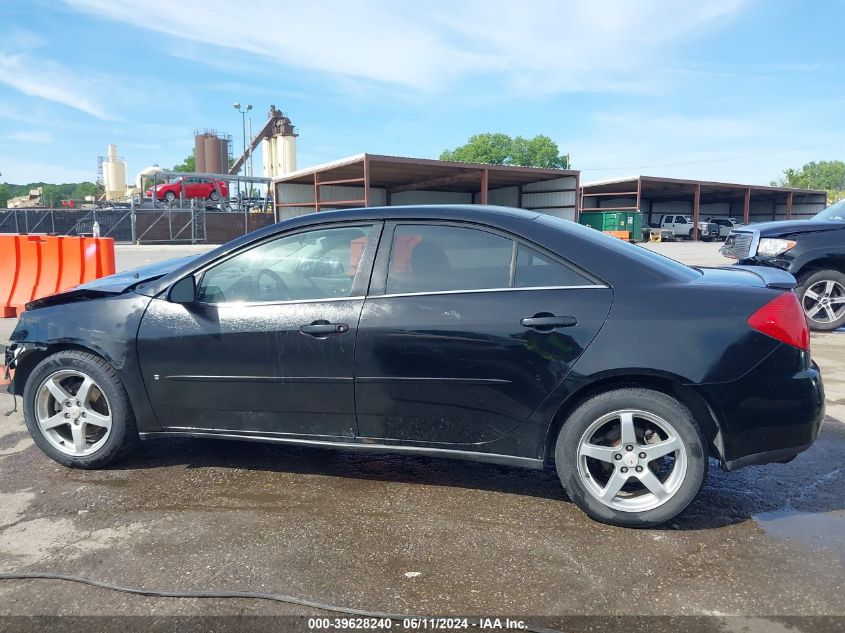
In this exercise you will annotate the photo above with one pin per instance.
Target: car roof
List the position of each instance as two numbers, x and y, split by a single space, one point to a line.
425 212
577 243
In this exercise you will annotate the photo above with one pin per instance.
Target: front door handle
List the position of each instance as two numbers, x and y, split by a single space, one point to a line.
548 323
322 328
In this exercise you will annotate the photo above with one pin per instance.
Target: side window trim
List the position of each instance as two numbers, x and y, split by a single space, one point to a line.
378 280
359 285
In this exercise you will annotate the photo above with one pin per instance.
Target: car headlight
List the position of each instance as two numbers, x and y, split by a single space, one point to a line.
771 247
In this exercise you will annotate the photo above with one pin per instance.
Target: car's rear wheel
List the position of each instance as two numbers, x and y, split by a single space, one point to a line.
169 196
631 457
214 195
77 410
822 295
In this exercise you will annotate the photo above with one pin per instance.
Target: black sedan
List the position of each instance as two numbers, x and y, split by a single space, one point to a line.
470 332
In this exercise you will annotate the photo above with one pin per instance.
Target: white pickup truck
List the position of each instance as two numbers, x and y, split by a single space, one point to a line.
681 227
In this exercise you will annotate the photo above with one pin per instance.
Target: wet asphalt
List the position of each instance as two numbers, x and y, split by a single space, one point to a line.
414 534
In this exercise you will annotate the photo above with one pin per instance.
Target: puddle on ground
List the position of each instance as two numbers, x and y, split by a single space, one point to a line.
816 529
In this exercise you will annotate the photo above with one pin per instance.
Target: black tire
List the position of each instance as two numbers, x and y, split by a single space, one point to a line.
653 402
169 196
707 239
123 435
214 196
807 281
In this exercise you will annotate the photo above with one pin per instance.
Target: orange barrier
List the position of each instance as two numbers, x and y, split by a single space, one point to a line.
622 235
35 266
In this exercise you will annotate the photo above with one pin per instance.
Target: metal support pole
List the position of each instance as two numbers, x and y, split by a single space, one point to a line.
639 190
696 207
789 206
366 181
485 180
578 204
251 173
243 126
746 206
132 221
316 192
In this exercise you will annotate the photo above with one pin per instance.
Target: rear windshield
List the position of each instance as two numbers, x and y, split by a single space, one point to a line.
834 213
666 265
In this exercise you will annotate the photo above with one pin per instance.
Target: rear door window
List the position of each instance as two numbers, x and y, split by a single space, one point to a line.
536 270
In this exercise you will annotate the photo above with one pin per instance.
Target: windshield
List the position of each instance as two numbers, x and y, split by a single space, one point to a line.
834 213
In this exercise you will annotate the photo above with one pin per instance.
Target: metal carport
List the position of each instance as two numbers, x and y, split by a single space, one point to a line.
655 196
376 180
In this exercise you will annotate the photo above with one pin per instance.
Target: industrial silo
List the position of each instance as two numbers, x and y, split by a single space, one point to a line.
114 175
213 164
224 154
199 150
279 148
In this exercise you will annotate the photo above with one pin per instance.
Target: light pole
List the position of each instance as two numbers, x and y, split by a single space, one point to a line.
243 112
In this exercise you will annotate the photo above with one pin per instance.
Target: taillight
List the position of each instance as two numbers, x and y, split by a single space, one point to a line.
783 319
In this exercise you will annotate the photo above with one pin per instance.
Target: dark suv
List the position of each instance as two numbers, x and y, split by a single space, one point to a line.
813 251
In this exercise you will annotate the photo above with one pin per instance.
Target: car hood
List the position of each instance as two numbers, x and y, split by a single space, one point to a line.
113 284
793 227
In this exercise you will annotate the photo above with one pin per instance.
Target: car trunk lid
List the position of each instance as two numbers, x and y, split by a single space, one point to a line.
754 276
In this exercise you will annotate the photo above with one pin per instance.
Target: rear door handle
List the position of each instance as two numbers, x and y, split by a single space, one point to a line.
549 322
323 328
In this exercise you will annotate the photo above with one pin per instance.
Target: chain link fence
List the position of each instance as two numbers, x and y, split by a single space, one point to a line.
171 225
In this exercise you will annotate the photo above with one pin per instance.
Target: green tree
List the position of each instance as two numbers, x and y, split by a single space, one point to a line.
187 165
52 195
5 194
83 189
828 175
501 149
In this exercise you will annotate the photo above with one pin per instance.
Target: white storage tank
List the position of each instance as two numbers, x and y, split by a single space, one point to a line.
114 175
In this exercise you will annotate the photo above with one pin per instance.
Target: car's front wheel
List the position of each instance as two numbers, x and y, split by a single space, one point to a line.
169 196
77 410
214 196
822 295
631 457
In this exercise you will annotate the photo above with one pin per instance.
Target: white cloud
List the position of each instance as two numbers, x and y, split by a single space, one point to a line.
545 46
45 78
31 136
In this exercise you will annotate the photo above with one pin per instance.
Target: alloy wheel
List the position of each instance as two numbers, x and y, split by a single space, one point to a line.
632 460
73 413
824 301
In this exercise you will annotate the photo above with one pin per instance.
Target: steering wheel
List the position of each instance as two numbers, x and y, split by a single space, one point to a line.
278 284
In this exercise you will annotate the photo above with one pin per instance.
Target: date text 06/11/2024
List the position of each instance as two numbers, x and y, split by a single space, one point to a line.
414 624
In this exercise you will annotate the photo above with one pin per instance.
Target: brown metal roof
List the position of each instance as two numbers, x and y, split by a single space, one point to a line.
660 188
402 173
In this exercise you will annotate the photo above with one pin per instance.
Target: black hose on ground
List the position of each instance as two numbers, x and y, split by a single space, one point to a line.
250 595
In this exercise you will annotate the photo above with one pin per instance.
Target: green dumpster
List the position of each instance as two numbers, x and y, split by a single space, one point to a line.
615 220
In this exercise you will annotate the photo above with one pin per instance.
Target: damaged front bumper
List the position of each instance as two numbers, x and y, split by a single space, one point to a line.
11 355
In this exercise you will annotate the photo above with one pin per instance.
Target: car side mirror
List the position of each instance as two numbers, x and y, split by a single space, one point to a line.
183 291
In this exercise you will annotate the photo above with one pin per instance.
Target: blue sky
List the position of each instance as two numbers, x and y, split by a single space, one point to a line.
731 90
